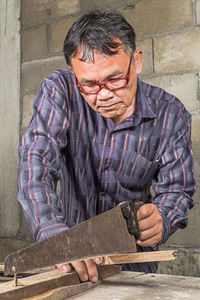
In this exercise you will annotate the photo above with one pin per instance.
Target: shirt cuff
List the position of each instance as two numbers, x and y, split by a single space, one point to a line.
168 230
49 229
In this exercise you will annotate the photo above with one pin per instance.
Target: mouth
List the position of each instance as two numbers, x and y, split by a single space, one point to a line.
108 106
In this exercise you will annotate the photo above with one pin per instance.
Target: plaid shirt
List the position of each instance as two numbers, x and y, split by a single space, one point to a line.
99 164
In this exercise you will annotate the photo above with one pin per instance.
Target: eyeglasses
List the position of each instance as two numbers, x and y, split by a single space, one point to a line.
113 84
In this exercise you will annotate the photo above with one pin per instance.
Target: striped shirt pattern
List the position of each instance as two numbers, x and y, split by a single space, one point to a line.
98 165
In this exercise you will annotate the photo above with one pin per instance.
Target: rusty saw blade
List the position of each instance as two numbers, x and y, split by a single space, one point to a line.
102 235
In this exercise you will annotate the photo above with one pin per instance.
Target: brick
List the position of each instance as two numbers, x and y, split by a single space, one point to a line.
177 52
27 109
153 16
34 42
195 138
183 86
34 72
198 11
25 233
146 47
93 4
58 32
197 177
10 245
39 11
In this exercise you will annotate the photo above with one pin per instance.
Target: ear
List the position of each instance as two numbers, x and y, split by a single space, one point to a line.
70 69
138 61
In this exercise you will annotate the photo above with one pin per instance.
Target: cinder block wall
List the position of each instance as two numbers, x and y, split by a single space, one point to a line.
168 33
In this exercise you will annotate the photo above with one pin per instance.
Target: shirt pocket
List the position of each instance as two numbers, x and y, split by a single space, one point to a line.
138 171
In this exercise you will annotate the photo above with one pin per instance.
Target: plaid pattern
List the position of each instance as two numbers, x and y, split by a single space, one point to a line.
99 164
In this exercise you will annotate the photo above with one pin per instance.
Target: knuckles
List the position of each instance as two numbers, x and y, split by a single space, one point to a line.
146 210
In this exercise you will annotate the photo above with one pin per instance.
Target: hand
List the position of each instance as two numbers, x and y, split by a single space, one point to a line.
87 269
150 224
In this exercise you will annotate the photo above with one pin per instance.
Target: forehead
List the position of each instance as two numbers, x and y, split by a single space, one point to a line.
101 67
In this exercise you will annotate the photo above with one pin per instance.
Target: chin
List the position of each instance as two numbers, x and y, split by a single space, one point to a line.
108 115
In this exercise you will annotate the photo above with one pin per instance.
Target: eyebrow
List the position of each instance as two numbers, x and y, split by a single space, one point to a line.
109 77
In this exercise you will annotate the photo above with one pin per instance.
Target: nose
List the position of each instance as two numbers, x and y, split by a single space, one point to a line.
104 93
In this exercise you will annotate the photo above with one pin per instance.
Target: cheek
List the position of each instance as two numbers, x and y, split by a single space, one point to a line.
133 88
128 94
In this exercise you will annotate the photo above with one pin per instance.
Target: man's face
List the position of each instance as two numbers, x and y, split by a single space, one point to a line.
115 104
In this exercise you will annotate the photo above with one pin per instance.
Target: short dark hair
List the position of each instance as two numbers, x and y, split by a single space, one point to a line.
98 30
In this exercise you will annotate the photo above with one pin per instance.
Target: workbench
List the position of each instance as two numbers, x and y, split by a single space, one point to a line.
113 284
138 286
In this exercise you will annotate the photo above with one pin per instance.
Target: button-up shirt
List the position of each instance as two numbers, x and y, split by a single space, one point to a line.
99 164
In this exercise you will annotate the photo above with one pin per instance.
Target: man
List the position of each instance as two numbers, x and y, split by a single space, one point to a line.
106 137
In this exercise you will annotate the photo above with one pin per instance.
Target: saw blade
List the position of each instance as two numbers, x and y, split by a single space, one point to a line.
102 235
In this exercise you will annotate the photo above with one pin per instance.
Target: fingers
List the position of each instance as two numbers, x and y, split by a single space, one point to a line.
64 267
97 260
150 224
145 211
81 269
87 270
92 270
154 220
150 237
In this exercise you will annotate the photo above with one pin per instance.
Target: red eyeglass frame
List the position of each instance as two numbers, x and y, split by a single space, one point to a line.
104 84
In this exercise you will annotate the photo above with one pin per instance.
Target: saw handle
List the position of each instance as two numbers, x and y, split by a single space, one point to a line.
129 211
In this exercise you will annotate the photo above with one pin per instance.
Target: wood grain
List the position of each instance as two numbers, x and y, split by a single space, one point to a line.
139 257
45 282
1 268
65 291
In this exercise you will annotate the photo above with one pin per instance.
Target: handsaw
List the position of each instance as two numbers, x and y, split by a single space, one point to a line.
112 232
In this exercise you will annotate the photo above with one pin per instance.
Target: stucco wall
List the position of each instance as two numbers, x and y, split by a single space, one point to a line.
168 33
9 117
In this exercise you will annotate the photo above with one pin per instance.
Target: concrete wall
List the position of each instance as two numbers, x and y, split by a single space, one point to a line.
170 38
168 33
9 123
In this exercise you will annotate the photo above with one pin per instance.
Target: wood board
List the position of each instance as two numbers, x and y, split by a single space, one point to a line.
45 282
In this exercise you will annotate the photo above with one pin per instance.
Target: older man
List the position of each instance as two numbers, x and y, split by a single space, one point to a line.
107 137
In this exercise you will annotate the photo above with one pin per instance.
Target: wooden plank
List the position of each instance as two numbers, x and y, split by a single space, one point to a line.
4 279
65 292
139 257
41 283
36 284
69 291
1 268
